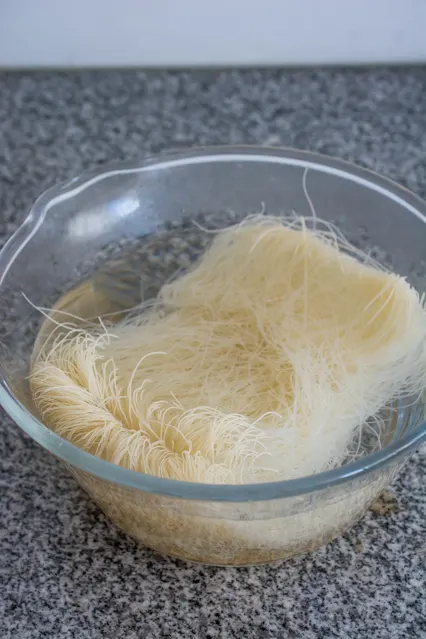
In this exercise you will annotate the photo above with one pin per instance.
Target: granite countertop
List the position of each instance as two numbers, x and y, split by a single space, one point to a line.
65 571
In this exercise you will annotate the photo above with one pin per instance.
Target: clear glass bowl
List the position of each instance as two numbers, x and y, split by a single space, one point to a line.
68 235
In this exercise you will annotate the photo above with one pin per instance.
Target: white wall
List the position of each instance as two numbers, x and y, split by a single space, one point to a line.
68 33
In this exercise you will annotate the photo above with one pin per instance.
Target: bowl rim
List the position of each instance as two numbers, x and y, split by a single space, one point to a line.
74 456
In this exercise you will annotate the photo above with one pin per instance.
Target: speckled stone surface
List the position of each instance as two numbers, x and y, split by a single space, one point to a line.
65 571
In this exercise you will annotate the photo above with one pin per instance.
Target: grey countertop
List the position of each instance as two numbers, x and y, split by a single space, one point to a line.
65 571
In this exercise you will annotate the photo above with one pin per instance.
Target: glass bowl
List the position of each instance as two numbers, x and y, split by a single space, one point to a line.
76 227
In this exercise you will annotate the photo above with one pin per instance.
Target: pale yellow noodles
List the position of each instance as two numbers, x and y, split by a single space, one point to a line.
257 365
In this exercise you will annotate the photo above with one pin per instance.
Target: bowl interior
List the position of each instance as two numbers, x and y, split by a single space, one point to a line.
143 216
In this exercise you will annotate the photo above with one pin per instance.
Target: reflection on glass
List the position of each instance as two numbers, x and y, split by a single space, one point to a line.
91 223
